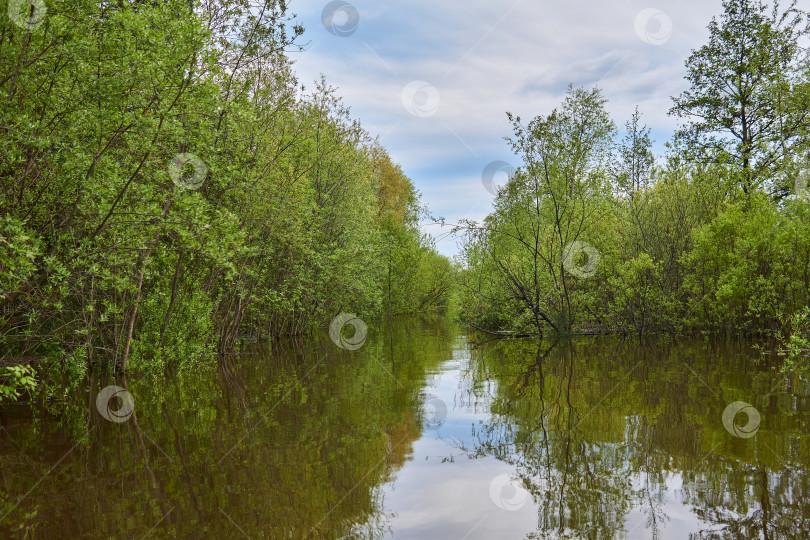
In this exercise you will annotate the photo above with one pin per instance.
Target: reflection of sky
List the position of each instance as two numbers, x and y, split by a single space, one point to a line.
485 58
441 493
433 497
680 519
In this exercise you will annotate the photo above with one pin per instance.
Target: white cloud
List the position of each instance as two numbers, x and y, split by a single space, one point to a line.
486 58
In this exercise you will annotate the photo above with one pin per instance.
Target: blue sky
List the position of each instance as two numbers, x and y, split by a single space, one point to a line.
434 78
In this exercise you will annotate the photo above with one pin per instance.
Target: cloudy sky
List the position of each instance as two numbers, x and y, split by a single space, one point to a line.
434 78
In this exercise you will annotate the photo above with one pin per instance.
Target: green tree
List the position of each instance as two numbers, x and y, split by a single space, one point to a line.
747 101
556 199
107 256
634 168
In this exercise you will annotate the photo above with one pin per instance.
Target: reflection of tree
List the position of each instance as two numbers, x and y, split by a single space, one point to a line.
751 501
536 427
298 438
652 487
595 430
293 441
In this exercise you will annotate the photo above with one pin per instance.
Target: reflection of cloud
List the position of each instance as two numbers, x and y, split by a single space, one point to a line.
455 499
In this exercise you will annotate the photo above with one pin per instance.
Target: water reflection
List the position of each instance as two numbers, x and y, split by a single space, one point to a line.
420 434
618 439
290 441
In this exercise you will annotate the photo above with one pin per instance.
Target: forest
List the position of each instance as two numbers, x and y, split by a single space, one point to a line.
594 234
169 190
190 230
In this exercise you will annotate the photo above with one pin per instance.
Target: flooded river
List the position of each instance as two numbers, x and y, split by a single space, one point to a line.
425 431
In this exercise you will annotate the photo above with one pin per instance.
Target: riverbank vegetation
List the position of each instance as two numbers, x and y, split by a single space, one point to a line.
168 187
593 233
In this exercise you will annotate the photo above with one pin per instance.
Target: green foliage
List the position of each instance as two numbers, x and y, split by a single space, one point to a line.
18 252
749 266
638 300
796 345
681 247
555 200
107 259
748 96
15 380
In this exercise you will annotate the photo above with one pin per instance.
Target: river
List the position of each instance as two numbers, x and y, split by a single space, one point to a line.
425 431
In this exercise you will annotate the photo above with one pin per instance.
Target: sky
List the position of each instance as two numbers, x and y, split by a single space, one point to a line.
433 79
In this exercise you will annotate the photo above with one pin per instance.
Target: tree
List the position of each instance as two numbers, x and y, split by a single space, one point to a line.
552 203
108 257
747 101
633 170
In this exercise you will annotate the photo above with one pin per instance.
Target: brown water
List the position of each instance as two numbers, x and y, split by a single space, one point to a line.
421 434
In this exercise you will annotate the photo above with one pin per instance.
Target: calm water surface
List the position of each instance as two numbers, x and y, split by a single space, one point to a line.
423 433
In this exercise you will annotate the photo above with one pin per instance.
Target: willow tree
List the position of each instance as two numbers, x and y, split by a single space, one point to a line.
535 247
